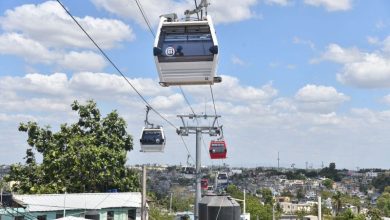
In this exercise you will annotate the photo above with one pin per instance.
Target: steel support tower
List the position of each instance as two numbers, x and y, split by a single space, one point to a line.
185 130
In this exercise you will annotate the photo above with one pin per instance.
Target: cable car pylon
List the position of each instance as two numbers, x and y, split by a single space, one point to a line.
198 130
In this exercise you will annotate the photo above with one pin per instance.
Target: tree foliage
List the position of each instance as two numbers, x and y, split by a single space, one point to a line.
87 156
253 205
328 183
383 202
381 182
266 195
331 172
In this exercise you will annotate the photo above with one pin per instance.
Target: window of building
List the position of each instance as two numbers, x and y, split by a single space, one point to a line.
132 214
41 217
93 217
110 215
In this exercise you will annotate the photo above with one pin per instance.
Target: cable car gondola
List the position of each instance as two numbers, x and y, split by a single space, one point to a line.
204 183
152 140
152 137
186 52
218 149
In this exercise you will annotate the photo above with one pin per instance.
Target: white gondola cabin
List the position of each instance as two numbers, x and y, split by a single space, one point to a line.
186 52
152 140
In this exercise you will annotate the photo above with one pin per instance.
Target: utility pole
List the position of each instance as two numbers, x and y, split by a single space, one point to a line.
198 131
64 213
319 208
170 204
278 160
143 205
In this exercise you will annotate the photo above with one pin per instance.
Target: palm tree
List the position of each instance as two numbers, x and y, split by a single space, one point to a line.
337 204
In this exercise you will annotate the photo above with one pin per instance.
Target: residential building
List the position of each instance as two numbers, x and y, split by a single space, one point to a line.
97 206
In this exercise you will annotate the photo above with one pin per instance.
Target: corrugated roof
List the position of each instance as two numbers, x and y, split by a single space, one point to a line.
54 202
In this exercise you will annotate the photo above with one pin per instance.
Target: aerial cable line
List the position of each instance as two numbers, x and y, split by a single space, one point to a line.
188 151
196 6
145 17
116 68
197 121
215 109
124 77
154 35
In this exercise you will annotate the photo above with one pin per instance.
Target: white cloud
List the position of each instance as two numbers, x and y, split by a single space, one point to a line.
50 22
232 91
258 117
319 98
32 51
83 61
381 24
386 99
110 84
372 40
338 54
227 11
371 72
16 117
55 84
278 2
310 44
35 105
167 102
79 85
386 44
238 61
361 69
331 5
222 11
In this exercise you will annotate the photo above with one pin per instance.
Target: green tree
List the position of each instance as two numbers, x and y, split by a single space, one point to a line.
374 214
87 156
266 194
330 172
337 202
300 194
157 214
328 183
381 182
346 215
253 205
383 202
301 214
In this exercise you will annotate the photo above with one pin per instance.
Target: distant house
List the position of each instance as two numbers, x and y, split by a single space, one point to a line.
291 208
97 206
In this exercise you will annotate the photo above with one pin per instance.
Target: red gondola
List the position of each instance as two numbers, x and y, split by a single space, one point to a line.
218 149
204 184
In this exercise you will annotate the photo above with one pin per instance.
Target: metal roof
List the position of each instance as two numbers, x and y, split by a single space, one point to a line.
91 201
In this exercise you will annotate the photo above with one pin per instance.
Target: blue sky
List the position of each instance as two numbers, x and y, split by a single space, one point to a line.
307 78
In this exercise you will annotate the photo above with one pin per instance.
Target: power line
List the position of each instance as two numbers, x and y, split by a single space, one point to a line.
215 109
188 151
145 17
193 112
113 64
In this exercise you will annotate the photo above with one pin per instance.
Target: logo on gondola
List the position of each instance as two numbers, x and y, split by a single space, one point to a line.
170 51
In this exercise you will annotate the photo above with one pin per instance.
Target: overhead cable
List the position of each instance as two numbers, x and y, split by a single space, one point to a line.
145 17
115 66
